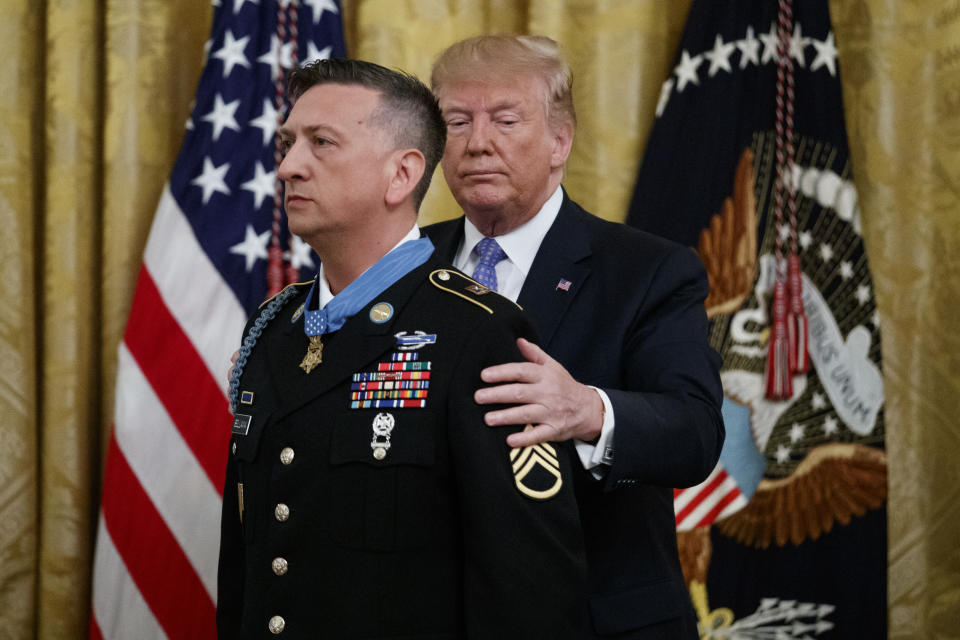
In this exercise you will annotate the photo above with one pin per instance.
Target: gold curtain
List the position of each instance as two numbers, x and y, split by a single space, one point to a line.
94 98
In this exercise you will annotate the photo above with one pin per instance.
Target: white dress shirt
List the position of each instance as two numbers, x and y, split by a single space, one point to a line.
520 246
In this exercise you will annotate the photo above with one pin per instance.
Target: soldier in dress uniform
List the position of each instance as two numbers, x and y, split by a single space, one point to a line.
364 498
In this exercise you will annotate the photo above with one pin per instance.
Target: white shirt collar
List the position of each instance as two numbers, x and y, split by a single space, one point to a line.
323 287
522 243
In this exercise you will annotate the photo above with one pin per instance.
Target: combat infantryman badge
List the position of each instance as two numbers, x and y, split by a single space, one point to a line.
314 355
408 342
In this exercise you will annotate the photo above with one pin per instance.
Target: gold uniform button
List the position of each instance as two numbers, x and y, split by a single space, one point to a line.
286 455
276 625
282 512
444 275
279 566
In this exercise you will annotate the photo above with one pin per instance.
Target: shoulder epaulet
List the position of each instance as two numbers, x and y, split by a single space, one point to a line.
462 286
294 284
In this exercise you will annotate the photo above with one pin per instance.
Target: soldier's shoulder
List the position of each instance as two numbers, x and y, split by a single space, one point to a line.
466 293
276 304
291 290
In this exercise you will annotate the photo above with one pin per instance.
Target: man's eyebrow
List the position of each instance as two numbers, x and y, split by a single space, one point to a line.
309 131
506 103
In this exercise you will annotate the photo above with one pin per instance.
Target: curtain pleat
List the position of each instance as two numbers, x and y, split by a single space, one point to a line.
901 80
21 196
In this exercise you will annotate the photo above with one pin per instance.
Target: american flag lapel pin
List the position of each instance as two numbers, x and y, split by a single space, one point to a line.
564 284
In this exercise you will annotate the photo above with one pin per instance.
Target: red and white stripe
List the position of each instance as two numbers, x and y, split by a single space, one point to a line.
716 497
155 566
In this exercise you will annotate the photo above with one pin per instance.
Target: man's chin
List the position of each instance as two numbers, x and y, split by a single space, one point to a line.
303 231
483 199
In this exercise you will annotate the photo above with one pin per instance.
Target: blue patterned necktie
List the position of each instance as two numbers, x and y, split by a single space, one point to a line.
490 254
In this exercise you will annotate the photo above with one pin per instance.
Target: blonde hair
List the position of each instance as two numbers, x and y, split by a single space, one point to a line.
493 57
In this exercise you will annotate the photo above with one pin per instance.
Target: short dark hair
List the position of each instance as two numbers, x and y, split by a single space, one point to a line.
408 109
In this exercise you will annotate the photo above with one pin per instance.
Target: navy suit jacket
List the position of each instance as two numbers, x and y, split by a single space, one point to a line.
633 324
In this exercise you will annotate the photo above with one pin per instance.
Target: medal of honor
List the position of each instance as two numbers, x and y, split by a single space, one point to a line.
334 314
314 355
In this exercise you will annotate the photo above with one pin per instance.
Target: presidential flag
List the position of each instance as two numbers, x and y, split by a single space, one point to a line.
217 245
748 162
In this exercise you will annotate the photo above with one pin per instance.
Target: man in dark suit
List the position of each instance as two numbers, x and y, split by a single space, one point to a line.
630 376
364 498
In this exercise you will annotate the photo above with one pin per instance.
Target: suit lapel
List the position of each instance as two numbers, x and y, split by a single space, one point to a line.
446 238
561 257
346 351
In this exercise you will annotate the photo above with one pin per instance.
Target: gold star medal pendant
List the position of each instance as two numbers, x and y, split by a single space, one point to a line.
314 355
358 294
315 324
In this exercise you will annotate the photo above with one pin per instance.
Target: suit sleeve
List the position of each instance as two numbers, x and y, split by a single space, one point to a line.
524 561
668 428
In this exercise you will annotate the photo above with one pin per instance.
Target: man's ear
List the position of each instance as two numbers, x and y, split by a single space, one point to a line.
562 143
406 168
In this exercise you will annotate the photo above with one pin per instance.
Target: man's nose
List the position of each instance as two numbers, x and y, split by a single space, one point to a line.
291 167
479 140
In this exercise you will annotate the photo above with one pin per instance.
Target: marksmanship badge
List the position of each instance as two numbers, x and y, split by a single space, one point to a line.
382 427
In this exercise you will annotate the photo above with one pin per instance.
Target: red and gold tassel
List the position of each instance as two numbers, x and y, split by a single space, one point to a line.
797 326
779 382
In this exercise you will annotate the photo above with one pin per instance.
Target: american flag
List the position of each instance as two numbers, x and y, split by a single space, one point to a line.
714 498
204 270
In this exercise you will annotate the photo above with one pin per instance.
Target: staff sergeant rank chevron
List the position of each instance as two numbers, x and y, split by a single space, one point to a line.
536 471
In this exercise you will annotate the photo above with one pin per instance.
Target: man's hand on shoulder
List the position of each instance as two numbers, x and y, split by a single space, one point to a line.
558 407
233 363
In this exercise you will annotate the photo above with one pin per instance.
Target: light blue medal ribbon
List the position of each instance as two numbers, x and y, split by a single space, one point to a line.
386 271
377 278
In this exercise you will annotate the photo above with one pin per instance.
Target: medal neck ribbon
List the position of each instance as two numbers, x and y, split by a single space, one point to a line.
384 272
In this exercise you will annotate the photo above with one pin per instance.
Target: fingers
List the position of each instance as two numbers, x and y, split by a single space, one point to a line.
233 363
519 393
519 371
532 352
523 414
510 372
539 433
